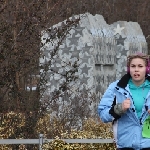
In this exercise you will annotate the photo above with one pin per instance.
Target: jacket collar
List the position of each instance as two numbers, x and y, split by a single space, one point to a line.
125 79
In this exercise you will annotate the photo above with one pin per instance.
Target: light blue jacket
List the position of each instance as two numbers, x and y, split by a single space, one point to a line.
127 128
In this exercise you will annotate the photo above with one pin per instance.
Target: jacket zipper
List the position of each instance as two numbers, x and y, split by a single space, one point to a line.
144 114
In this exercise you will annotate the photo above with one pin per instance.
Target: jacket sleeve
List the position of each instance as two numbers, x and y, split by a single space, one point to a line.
106 105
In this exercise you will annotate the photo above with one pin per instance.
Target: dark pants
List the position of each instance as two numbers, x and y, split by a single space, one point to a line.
132 149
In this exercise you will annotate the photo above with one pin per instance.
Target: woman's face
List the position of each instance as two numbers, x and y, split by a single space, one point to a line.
137 70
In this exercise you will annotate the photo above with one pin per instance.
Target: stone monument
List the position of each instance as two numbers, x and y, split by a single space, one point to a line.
101 49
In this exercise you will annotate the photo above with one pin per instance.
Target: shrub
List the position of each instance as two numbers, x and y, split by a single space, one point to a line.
91 130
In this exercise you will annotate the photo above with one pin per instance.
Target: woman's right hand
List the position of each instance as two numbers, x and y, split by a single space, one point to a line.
126 104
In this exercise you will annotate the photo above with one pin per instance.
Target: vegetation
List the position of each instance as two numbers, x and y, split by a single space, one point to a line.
13 123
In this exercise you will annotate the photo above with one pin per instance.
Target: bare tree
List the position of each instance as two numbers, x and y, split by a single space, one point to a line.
20 80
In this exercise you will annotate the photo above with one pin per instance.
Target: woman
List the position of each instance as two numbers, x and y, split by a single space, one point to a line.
126 103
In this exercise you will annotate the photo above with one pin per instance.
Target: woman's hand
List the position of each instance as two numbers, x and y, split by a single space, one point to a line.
126 104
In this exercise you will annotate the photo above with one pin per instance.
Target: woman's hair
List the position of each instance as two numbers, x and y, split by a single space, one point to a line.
138 55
